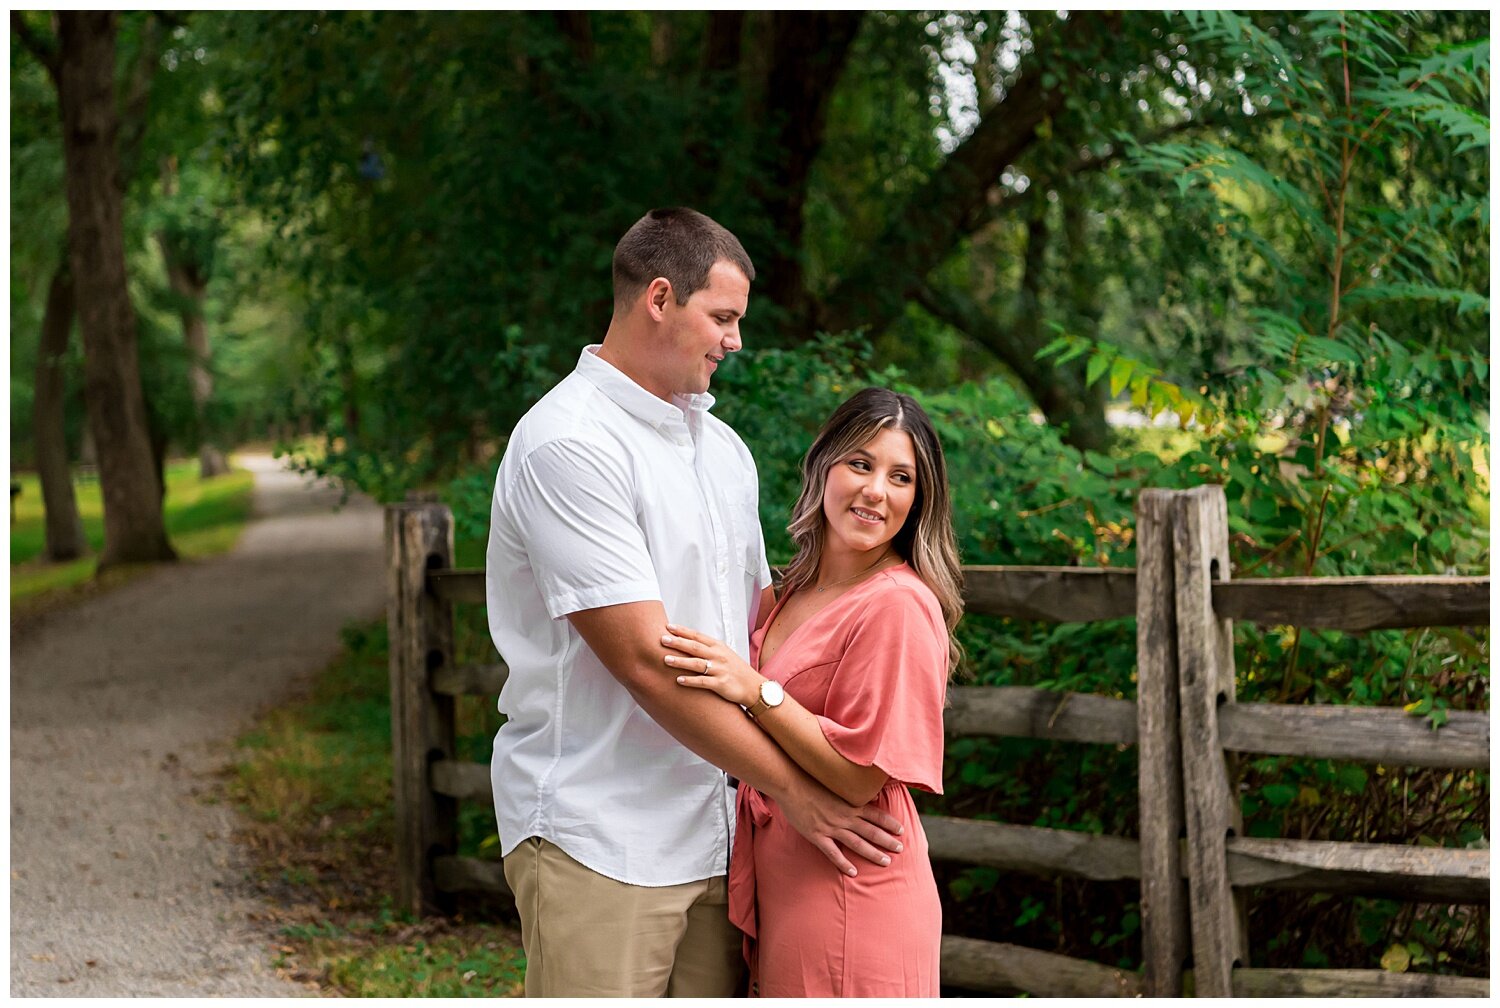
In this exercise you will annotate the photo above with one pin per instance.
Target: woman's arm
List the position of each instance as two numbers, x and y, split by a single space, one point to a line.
792 726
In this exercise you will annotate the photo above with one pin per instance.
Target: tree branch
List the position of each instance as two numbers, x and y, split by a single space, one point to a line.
952 202
1000 202
45 50
1061 395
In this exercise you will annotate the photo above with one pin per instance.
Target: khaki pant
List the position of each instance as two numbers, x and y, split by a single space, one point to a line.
586 935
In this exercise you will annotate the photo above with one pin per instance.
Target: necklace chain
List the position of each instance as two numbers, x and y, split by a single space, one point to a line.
879 560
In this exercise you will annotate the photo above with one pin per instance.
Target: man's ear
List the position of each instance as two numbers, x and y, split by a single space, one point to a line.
658 295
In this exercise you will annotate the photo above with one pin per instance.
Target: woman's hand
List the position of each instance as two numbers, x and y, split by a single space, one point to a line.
711 664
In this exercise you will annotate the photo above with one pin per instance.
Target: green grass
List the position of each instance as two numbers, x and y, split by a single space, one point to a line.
203 518
448 966
330 754
315 779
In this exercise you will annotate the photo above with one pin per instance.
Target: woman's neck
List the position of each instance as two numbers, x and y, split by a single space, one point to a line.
837 568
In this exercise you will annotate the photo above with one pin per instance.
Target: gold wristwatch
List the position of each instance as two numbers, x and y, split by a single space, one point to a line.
771 695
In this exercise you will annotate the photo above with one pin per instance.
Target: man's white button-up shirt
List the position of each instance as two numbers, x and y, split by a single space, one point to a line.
608 494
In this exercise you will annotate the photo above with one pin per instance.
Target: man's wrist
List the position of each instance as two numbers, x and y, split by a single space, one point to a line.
789 787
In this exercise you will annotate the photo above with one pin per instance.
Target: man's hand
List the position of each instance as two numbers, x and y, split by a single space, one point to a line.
826 821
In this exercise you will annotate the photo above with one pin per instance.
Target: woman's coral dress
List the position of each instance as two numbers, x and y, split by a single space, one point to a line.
873 666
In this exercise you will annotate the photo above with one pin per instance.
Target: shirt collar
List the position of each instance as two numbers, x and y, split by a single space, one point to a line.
629 396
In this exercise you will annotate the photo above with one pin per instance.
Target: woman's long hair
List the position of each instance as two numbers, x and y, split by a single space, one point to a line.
925 541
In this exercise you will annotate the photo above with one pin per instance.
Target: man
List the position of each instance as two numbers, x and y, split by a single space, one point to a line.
621 502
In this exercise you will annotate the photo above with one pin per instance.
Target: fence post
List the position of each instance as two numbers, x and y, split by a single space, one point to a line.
1205 663
1164 908
419 537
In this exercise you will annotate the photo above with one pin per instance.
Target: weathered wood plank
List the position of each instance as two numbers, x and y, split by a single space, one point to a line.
1164 907
458 584
1074 594
1058 594
1029 712
1424 874
1367 734
467 874
1007 711
470 680
1357 603
1001 968
1205 668
1032 849
419 537
464 781
1427 874
1354 983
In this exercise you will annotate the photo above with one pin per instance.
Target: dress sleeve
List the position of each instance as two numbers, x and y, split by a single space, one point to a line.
885 700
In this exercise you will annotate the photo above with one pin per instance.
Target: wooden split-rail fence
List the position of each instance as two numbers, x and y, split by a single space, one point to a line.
1191 858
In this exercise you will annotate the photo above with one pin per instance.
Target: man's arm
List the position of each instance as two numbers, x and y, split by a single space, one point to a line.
626 638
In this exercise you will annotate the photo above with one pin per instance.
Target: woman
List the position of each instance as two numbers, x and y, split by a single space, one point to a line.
848 674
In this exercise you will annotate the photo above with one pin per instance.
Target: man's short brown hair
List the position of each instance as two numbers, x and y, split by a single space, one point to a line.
679 244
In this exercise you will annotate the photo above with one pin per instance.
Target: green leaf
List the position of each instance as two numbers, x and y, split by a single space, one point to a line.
1279 795
1098 364
1119 374
1396 959
1353 779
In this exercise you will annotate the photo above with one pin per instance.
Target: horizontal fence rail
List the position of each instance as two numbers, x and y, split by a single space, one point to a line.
1087 594
1368 734
1192 882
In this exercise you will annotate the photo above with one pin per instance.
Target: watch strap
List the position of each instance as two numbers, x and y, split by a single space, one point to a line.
760 706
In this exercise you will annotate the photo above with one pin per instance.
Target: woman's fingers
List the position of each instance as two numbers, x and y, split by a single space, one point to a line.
691 634
832 852
697 666
685 645
875 835
884 820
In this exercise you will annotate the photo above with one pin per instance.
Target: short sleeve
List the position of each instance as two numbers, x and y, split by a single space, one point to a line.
885 701
574 506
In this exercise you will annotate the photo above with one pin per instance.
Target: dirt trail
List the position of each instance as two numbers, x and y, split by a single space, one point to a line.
123 881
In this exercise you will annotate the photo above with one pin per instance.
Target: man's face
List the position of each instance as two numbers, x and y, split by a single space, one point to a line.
700 334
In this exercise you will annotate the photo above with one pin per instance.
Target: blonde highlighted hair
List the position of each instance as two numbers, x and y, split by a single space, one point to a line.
926 541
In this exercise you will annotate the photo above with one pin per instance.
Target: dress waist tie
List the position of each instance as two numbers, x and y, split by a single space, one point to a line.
751 810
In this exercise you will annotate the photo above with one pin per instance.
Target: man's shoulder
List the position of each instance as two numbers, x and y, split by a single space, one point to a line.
572 410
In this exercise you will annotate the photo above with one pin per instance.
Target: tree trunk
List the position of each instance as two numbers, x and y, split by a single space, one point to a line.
808 50
211 460
65 540
133 527
719 97
349 382
190 285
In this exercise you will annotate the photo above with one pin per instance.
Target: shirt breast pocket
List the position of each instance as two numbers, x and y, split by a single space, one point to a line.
742 521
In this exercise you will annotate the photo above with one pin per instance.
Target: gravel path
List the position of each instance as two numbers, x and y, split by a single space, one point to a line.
124 882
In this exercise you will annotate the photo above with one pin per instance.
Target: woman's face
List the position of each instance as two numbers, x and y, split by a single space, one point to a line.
869 493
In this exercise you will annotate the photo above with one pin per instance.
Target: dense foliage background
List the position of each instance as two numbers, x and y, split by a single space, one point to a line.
1258 244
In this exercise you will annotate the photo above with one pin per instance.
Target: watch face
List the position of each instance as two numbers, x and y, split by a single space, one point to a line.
772 693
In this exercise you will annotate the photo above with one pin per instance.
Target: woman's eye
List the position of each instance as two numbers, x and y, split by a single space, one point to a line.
859 464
